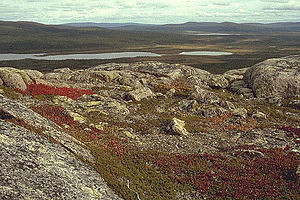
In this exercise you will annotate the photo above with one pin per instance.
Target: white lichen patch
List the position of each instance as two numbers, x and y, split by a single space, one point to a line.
6 140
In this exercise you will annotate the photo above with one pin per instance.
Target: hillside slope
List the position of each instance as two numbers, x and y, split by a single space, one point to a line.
29 37
152 130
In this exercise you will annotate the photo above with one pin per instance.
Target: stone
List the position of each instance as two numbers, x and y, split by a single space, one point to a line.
211 111
171 92
204 96
130 135
1 82
240 112
33 74
235 74
12 79
63 70
295 103
278 77
76 117
298 170
26 78
259 115
176 126
106 76
227 105
139 94
49 128
218 81
188 105
241 88
34 168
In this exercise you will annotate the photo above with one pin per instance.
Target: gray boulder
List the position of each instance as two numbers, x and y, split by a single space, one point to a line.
176 126
295 103
34 74
204 96
63 70
188 105
259 115
218 81
279 77
139 94
235 74
240 87
12 79
240 112
34 168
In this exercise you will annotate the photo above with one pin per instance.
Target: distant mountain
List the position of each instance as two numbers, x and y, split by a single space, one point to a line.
224 27
39 38
104 25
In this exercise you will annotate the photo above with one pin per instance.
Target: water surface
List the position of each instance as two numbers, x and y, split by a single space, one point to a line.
206 53
42 56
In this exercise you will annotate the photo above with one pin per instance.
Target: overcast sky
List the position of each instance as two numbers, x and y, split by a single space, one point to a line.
149 11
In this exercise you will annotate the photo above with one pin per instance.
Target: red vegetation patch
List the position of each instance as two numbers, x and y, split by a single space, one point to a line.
291 132
58 115
248 173
42 89
272 175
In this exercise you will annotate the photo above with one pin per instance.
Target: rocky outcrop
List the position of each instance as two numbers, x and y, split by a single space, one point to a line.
12 79
279 77
139 94
241 88
235 74
218 81
136 108
49 128
204 96
176 126
34 168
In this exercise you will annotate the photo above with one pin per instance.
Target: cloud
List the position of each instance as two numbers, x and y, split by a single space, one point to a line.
150 11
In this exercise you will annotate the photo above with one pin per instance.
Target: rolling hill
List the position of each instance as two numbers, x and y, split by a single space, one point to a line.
225 27
36 38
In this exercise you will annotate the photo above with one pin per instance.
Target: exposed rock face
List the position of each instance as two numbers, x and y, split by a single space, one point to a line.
12 79
240 87
34 168
279 77
218 81
240 112
204 96
33 74
259 115
139 94
235 74
106 124
50 128
176 126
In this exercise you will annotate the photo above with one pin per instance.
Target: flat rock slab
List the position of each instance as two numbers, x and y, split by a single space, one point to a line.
34 168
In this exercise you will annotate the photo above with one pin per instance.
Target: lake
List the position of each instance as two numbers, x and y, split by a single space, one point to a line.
42 56
206 53
214 34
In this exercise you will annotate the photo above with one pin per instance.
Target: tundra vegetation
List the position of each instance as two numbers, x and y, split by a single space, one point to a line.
171 131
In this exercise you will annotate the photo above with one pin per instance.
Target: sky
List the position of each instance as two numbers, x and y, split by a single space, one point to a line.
150 11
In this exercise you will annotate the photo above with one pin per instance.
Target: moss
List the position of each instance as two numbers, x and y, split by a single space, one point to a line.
156 175
45 97
276 114
132 169
97 89
10 93
194 124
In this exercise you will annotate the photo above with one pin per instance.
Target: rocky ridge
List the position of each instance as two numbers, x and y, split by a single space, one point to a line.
167 108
